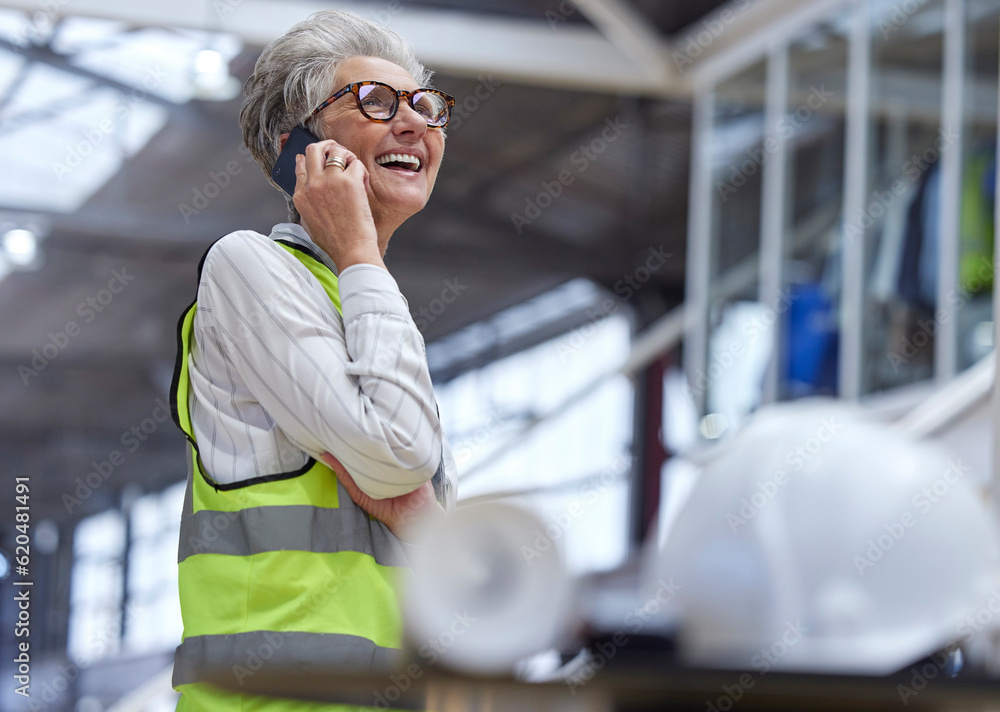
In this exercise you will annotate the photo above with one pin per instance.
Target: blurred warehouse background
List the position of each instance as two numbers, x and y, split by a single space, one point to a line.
652 218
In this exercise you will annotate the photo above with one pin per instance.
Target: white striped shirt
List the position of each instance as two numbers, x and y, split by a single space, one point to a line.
278 376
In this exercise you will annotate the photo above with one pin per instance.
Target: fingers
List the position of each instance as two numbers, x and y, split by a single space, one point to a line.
357 171
315 158
318 153
313 163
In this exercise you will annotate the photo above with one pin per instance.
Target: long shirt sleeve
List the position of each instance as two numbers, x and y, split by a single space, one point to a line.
278 375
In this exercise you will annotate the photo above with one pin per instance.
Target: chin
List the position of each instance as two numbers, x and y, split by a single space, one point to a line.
408 208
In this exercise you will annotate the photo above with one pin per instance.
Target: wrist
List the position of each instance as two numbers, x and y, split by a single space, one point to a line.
366 256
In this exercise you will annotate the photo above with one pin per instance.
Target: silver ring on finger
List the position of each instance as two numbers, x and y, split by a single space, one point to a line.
336 161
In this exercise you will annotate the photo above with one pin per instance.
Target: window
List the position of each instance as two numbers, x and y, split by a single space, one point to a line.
154 613
573 469
110 616
96 587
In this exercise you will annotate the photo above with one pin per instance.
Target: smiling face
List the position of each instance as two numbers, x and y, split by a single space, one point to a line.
395 190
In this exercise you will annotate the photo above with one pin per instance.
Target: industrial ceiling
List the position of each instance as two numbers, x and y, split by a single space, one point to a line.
87 336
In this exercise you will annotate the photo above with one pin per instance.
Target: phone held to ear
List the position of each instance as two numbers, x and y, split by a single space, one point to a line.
283 172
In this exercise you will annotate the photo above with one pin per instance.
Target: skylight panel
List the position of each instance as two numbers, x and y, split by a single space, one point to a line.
45 88
154 60
66 134
16 26
11 65
78 34
56 165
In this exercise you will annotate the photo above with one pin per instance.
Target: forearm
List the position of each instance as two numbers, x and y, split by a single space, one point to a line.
388 363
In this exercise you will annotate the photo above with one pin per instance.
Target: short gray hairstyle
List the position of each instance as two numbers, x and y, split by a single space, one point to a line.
295 74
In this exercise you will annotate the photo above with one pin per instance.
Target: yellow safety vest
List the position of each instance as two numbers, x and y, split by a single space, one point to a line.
281 570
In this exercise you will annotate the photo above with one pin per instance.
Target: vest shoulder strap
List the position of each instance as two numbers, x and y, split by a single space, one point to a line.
180 382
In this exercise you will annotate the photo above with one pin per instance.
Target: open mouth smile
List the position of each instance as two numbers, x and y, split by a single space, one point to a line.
400 161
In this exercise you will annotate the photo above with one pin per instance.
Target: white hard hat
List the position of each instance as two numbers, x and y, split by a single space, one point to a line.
823 540
489 589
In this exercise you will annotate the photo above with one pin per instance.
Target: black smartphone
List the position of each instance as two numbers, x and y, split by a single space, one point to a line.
283 172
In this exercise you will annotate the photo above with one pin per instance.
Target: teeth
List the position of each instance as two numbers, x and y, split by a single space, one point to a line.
398 158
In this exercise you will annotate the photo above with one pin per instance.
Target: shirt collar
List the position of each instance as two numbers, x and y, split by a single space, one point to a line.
297 233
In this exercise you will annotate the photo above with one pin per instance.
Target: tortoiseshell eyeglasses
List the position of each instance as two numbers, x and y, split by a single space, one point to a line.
379 102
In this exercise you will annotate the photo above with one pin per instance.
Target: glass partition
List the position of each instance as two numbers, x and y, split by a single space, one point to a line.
901 216
905 186
814 126
974 295
731 380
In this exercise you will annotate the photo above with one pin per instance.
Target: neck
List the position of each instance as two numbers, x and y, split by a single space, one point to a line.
385 226
384 235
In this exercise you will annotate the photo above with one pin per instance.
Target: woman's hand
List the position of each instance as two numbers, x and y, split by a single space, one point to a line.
397 513
333 203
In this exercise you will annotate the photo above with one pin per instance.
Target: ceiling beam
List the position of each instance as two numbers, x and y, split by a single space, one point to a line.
529 51
740 32
634 36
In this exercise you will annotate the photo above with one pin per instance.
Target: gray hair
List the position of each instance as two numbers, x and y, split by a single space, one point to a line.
295 74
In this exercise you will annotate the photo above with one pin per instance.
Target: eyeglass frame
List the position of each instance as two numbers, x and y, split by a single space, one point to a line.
353 88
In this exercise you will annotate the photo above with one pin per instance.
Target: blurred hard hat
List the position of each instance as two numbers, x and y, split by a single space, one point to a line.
489 589
820 539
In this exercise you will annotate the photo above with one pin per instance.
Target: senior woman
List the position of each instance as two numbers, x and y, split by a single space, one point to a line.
302 382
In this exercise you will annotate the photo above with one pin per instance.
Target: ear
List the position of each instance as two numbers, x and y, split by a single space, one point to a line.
283 138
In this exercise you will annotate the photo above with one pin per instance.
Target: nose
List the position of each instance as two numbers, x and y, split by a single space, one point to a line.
407 119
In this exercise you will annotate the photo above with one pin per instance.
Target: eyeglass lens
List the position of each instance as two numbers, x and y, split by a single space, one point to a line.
379 102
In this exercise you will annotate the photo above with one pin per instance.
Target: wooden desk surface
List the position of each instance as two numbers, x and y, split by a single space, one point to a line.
624 689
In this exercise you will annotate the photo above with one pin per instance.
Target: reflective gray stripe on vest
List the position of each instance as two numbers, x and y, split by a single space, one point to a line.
305 652
297 527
